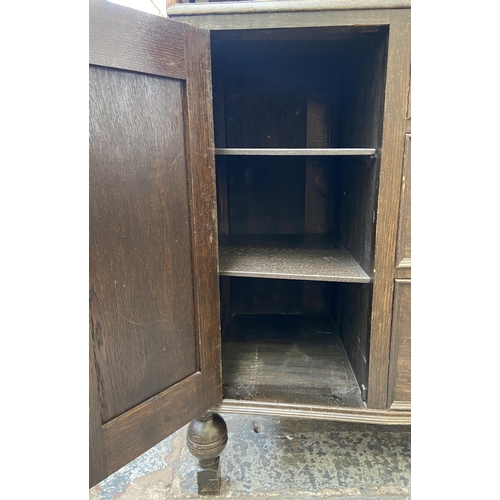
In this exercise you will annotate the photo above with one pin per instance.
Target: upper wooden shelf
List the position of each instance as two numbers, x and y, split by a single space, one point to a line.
311 258
296 151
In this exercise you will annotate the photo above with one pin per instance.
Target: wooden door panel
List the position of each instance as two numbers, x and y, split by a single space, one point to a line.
140 236
400 364
154 324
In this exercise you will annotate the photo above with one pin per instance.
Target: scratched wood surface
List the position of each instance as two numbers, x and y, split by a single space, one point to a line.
287 358
154 328
139 225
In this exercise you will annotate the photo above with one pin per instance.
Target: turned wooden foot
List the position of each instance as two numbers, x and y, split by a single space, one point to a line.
206 439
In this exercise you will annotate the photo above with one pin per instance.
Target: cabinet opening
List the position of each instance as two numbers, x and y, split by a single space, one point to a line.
296 342
298 122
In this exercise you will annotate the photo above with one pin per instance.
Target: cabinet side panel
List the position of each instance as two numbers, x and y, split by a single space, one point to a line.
140 252
391 163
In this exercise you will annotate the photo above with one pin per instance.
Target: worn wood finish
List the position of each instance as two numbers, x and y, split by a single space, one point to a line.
288 257
402 273
396 92
154 330
296 151
264 20
403 247
139 238
321 412
293 359
136 431
129 39
400 365
201 176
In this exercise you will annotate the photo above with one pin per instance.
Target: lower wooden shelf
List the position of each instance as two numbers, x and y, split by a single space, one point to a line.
298 257
291 359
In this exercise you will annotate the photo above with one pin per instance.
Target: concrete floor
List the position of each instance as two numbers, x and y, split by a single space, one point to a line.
270 457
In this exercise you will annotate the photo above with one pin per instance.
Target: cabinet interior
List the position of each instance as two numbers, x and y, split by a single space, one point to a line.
298 121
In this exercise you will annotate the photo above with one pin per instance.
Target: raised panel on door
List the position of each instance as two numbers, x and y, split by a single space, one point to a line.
400 360
154 323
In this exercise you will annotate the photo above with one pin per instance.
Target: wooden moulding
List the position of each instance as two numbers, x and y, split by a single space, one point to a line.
255 19
284 6
296 151
357 415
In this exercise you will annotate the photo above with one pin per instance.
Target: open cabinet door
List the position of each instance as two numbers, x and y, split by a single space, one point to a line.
155 359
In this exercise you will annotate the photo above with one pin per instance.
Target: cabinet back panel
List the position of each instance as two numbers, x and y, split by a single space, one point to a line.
266 195
266 120
140 254
265 296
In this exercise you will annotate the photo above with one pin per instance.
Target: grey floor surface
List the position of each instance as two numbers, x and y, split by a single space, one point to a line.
269 457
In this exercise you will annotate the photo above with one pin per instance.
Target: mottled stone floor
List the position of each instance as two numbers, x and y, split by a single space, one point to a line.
287 458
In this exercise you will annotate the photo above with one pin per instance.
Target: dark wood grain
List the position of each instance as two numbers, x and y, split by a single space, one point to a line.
288 258
391 161
155 340
98 467
203 203
264 20
400 364
289 359
140 238
128 39
135 432
403 247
